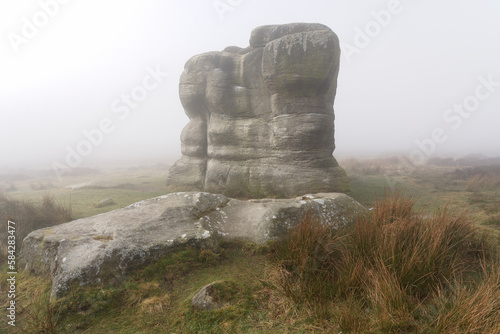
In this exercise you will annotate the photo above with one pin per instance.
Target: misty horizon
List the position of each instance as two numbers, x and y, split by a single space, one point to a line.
98 83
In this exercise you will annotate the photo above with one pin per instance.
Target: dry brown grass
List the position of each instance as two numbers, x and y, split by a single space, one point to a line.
470 309
155 305
380 273
306 261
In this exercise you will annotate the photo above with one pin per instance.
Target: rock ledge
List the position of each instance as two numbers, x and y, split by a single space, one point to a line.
107 247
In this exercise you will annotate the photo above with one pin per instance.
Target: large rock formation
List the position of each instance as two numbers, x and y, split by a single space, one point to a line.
261 118
107 247
261 125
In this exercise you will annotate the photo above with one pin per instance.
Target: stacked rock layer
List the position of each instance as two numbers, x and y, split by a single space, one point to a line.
261 118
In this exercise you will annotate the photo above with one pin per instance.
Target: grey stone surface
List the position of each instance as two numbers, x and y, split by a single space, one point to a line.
203 300
107 247
105 202
261 118
215 295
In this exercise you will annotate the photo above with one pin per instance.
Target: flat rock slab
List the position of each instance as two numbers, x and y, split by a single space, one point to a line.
107 247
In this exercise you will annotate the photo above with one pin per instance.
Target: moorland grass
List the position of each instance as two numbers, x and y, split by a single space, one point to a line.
29 216
392 271
387 271
397 270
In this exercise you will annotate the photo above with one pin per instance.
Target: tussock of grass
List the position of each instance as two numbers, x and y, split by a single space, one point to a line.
29 216
306 260
483 181
156 304
35 312
493 220
42 314
469 309
389 264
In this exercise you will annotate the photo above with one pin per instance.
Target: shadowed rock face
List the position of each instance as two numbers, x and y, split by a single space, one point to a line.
261 118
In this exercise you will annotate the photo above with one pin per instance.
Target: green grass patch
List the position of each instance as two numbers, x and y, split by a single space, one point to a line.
83 193
366 189
405 268
157 299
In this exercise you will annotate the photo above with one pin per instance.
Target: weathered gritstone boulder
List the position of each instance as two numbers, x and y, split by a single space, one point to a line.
105 248
261 118
205 299
215 295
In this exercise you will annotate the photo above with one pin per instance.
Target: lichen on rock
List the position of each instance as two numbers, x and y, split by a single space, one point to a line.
106 248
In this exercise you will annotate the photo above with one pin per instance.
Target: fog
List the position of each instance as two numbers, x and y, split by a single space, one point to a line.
415 76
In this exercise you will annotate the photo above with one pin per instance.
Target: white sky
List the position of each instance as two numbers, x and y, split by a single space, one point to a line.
395 91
